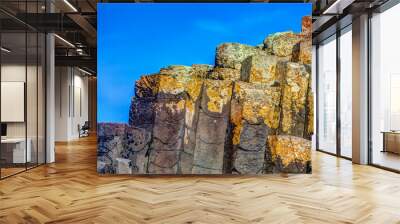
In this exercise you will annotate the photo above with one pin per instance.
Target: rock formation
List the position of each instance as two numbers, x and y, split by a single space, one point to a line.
251 113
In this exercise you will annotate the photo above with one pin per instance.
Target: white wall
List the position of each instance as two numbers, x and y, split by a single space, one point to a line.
71 94
33 127
12 73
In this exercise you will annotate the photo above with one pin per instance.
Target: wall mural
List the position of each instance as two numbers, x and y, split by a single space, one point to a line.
250 113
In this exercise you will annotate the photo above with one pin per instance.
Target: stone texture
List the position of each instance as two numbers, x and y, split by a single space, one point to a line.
111 142
168 134
282 44
124 166
201 70
295 86
212 125
196 70
231 55
141 112
306 24
176 70
251 113
123 142
290 154
138 143
254 115
147 86
261 69
224 74
310 113
302 52
176 112
305 51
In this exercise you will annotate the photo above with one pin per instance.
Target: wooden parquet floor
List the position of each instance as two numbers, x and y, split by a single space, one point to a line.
70 191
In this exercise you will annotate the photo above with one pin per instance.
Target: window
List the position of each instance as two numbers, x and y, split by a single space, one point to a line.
22 77
385 89
346 92
327 95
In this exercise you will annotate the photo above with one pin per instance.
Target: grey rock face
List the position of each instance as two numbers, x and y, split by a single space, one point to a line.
111 143
141 112
137 145
254 116
251 113
124 166
211 129
168 134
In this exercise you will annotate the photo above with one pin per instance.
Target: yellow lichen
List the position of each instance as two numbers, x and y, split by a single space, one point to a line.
287 121
219 94
169 84
270 116
175 107
193 88
310 125
149 82
289 149
236 119
294 95
250 111
181 105
256 75
237 88
259 103
263 75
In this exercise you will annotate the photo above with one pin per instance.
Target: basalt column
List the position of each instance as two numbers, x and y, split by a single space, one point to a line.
212 127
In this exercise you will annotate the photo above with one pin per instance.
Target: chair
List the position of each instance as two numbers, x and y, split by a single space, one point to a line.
84 130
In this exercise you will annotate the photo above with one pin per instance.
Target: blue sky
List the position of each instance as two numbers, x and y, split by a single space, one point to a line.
137 39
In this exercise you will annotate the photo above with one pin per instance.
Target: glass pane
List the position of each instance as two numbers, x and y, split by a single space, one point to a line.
327 96
346 93
13 89
385 86
41 98
31 100
314 86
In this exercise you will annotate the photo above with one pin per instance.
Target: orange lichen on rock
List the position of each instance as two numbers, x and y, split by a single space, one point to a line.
170 85
261 69
219 93
294 95
281 44
251 113
254 103
310 110
220 73
236 119
147 86
289 149
306 24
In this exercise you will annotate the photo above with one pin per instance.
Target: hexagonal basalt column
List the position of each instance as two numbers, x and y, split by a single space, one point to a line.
254 115
211 127
295 88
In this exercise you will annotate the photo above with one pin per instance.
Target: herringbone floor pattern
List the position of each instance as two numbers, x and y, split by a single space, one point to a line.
70 191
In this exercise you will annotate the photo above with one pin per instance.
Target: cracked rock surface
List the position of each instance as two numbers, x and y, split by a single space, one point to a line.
251 113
